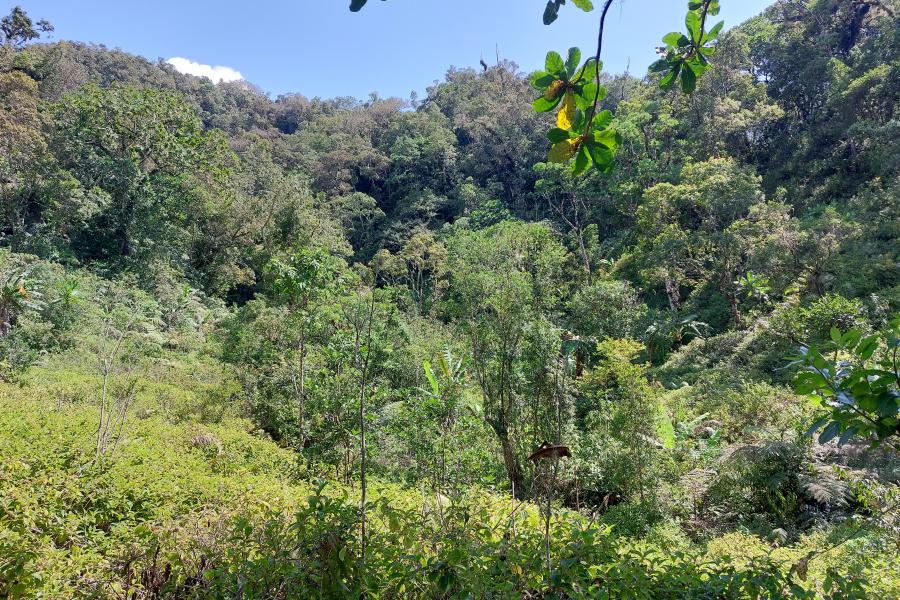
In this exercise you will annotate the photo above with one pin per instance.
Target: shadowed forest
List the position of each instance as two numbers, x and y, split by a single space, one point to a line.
292 347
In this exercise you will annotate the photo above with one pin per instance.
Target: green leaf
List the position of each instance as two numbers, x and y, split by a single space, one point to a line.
590 69
809 382
585 5
829 432
889 405
671 39
603 157
607 138
541 80
714 32
867 347
659 66
849 433
544 105
584 99
551 12
669 80
554 65
835 335
572 61
851 338
816 426
556 135
432 380
688 80
582 161
692 22
603 119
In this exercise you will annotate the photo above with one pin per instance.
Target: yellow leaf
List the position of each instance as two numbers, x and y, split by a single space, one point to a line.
553 89
22 291
567 112
564 150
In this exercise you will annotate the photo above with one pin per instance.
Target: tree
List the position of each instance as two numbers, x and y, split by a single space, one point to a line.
302 281
504 282
158 172
625 423
688 229
14 298
17 28
606 308
568 197
23 152
421 266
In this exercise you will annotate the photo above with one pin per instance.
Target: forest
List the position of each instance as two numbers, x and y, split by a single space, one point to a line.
555 334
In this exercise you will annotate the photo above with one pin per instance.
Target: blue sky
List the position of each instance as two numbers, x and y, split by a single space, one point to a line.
319 48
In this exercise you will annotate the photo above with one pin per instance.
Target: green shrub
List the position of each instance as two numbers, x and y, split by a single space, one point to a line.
812 322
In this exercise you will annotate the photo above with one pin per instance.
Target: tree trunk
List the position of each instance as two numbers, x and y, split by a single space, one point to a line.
511 462
673 294
5 321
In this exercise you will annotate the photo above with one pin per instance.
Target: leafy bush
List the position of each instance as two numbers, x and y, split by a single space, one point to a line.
812 322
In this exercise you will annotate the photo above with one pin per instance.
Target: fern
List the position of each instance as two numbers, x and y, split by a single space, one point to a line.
821 486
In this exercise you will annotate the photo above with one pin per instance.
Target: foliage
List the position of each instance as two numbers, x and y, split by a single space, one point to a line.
168 517
626 427
290 276
688 55
17 28
856 381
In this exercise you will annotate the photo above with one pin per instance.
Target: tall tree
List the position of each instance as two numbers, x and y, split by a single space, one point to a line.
505 281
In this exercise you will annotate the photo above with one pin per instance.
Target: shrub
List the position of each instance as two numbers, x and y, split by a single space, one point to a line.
812 322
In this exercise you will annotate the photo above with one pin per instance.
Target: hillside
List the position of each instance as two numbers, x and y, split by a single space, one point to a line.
292 347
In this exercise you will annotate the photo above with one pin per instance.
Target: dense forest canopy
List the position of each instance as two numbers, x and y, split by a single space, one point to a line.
306 347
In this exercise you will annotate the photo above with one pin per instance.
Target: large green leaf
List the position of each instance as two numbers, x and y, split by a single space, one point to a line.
670 77
607 138
585 98
432 380
582 160
659 66
603 119
544 105
603 157
556 135
589 71
671 39
554 64
692 22
714 32
688 80
572 61
540 80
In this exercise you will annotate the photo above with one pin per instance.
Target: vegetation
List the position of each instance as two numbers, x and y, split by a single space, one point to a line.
320 348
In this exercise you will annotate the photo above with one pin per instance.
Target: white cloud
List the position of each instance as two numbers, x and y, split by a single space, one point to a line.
217 74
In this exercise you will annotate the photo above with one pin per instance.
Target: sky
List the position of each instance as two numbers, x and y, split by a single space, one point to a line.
319 48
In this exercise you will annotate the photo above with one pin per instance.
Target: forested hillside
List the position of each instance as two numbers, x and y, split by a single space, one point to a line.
304 347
